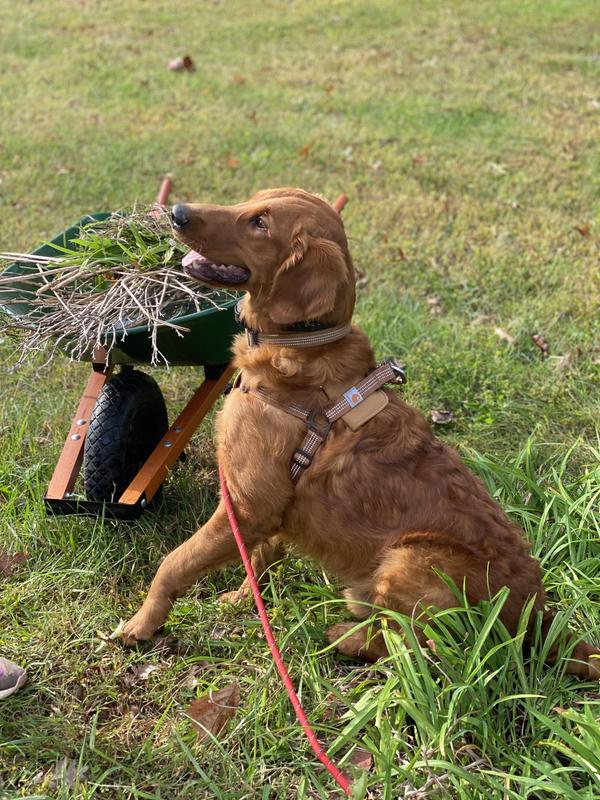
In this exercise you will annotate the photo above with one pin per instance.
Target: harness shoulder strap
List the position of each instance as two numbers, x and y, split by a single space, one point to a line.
356 405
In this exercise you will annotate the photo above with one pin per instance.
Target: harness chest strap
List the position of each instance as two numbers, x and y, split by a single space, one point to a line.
319 422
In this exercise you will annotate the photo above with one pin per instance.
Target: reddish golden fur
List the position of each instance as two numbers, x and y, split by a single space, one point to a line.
381 508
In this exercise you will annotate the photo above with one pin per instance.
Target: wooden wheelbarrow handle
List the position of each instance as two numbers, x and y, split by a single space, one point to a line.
164 192
340 202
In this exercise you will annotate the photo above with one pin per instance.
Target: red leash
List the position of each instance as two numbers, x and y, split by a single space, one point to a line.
287 681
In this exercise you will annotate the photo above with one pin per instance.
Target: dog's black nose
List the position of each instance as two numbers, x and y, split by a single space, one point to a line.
180 215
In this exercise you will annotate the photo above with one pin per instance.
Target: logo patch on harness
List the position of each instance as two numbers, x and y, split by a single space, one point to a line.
353 397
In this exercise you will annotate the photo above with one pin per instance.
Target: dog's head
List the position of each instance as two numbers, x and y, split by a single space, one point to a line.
285 247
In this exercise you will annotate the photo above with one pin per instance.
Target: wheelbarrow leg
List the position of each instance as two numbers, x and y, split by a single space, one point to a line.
69 463
146 483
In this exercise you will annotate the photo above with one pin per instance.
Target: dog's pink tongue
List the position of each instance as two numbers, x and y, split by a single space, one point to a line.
190 257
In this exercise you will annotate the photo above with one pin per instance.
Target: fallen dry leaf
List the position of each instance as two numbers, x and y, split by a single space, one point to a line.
144 671
66 774
305 150
496 169
141 672
8 563
334 707
440 417
506 337
435 305
181 63
483 319
191 679
210 712
166 644
565 362
541 343
361 758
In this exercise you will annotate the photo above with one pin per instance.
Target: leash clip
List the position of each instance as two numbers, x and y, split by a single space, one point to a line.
399 372
251 333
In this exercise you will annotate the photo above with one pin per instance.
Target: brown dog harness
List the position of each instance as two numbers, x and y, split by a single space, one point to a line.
356 406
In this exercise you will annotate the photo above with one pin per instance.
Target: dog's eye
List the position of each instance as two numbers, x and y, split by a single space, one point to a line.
258 222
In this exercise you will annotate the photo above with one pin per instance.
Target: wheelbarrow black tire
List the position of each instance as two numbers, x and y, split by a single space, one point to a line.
128 421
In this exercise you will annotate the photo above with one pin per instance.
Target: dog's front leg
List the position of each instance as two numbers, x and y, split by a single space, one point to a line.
211 547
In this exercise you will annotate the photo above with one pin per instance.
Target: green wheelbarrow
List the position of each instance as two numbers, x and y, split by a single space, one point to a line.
120 432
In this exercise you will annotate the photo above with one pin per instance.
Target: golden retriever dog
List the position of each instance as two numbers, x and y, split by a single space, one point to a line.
385 507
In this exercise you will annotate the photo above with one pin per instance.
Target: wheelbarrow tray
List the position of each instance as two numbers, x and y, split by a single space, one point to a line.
209 332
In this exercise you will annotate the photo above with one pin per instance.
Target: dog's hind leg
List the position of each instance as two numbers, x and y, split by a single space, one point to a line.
262 557
582 659
405 582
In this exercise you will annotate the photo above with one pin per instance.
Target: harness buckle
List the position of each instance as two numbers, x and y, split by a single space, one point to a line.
320 426
398 370
302 458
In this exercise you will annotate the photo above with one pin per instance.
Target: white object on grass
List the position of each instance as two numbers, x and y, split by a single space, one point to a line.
12 677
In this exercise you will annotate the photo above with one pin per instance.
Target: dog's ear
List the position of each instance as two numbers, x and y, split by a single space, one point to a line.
307 283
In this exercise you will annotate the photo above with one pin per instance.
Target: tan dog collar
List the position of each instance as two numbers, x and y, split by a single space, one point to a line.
308 334
301 339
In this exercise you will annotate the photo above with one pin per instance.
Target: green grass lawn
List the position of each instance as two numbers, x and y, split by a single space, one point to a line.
466 136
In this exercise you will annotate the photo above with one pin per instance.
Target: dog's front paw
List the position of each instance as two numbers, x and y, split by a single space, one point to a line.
142 626
237 596
356 643
349 646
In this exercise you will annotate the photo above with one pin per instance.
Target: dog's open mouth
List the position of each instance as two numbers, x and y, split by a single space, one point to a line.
199 267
